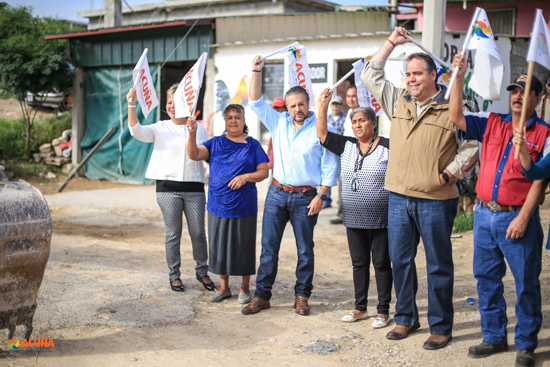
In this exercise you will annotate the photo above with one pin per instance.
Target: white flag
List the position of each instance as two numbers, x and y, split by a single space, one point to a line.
365 98
144 86
187 94
299 74
539 47
443 74
488 67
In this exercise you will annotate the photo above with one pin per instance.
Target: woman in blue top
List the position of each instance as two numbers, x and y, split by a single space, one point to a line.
237 162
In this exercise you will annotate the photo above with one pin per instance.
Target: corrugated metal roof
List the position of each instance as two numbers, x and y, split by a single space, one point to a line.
114 49
127 28
292 26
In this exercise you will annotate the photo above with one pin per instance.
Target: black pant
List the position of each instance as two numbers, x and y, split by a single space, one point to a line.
361 242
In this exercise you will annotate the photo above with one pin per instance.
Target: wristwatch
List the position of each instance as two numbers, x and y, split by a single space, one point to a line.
445 176
323 197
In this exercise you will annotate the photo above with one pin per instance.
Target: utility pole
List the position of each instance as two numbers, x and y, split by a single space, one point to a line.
433 27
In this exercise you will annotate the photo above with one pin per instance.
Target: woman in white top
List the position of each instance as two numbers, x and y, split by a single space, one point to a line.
180 186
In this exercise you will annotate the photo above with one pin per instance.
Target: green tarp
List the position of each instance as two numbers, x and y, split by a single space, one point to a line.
122 158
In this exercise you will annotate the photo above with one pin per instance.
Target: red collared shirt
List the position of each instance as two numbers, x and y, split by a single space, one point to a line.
501 178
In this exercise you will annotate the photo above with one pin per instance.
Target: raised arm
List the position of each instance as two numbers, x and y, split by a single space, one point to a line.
255 86
194 152
520 141
322 129
396 38
373 77
456 115
132 114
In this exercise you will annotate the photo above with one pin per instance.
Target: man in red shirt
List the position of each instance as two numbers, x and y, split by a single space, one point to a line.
506 223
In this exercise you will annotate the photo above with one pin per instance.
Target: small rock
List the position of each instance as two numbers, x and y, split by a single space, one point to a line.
133 359
50 175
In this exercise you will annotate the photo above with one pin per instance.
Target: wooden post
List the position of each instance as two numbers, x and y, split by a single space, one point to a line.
526 94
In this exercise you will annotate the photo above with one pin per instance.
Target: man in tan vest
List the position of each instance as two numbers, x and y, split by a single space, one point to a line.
426 159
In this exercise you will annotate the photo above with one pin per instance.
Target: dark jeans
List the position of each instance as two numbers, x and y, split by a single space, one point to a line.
281 207
409 219
524 257
361 243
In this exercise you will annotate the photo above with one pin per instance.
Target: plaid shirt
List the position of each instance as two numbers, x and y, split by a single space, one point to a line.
337 123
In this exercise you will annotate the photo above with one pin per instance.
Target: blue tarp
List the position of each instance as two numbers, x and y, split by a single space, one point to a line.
122 158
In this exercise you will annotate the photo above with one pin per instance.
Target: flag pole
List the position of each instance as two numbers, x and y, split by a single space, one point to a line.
526 94
464 47
279 50
341 81
437 59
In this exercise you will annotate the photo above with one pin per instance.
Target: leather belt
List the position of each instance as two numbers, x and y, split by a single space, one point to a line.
287 188
497 208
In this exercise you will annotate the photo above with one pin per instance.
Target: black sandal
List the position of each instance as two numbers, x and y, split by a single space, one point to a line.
207 286
177 288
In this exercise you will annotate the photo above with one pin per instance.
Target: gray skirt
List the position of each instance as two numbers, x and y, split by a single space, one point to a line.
232 245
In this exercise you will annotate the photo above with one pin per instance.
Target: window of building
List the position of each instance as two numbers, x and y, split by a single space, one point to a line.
273 78
503 21
273 81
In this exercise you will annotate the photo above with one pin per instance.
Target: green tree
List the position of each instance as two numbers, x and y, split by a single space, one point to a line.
28 63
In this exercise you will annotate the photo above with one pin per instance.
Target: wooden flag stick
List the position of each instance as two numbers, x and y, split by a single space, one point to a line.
526 94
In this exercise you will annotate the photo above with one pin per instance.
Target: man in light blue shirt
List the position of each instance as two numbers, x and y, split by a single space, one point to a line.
301 166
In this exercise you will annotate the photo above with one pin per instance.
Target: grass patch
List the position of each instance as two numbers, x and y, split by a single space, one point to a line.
22 169
463 223
12 136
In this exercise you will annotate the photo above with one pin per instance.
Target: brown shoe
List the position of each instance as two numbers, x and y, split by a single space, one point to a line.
437 341
255 306
401 331
300 304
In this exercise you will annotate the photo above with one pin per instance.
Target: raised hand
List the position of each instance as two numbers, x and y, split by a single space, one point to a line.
192 124
257 64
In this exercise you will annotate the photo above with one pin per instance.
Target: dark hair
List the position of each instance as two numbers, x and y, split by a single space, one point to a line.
367 111
297 90
238 108
429 64
351 86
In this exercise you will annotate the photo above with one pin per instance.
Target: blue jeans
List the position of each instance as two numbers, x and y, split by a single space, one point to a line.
409 219
280 207
523 255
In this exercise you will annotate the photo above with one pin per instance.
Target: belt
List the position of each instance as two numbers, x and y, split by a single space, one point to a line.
287 188
497 208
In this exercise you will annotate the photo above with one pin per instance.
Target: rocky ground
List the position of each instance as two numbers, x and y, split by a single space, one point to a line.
105 299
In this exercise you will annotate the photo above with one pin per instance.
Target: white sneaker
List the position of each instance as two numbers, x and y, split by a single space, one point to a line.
379 322
244 298
353 317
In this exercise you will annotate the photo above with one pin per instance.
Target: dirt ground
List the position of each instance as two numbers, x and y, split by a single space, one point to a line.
105 298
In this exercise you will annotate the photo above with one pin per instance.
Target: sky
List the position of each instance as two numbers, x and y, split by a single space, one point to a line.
68 9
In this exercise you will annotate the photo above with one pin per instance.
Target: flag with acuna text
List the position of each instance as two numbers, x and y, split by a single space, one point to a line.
539 47
299 74
365 98
144 86
187 94
488 68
